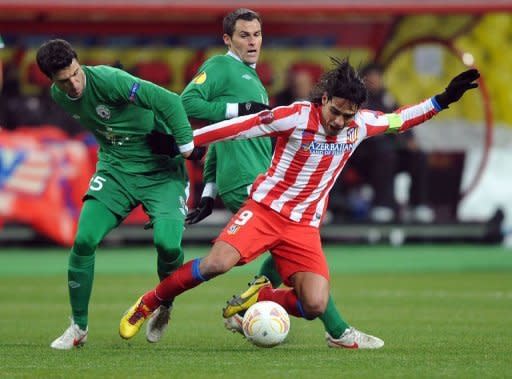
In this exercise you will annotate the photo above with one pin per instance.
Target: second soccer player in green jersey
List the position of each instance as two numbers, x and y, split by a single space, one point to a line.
120 110
228 86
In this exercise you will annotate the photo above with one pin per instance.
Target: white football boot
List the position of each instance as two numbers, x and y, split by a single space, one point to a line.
158 323
234 324
354 339
72 337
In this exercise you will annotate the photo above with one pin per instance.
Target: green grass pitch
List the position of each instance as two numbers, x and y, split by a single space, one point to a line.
443 311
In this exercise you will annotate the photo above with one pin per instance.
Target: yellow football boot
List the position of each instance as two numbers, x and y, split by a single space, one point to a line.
249 297
133 319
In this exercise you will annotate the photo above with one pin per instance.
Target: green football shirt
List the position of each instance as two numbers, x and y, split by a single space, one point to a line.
221 80
120 110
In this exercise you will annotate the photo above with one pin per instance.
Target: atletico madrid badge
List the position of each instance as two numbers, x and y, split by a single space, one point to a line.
233 229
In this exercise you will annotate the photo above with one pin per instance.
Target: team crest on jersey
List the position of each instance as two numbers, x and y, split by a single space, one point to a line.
200 78
233 229
103 111
352 135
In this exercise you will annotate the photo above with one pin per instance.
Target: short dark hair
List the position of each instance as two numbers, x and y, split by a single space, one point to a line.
54 55
228 24
342 81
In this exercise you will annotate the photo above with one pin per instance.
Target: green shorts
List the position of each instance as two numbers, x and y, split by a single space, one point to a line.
233 200
160 195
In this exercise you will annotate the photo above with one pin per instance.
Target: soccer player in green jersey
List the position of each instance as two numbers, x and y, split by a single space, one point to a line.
227 86
120 110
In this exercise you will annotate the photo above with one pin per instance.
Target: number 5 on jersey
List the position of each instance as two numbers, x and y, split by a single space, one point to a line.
240 221
96 183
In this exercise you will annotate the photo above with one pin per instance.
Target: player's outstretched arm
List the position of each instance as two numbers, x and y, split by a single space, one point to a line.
457 87
278 121
410 116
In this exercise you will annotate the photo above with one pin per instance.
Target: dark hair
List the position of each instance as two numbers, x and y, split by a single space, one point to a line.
54 55
371 67
228 24
342 81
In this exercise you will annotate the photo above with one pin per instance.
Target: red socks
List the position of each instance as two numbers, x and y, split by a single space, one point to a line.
286 297
184 278
188 276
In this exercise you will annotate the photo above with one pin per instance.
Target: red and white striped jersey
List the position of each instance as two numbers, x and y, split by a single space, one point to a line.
306 161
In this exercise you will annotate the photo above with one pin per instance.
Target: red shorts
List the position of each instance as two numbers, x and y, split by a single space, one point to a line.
294 247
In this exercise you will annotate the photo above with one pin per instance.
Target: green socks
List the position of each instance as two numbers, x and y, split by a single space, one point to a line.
269 270
332 320
80 279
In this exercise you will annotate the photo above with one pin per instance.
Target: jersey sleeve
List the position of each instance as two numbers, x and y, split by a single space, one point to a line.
198 97
210 165
398 121
276 122
166 105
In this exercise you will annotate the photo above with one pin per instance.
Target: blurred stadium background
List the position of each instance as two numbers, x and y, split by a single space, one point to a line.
443 310
422 45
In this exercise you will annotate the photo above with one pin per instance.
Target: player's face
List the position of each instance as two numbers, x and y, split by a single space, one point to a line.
337 113
71 79
246 40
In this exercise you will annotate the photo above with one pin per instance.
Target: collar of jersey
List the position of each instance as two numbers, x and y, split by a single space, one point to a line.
230 53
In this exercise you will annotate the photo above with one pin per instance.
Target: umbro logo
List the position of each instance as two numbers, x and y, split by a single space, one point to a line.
73 284
247 76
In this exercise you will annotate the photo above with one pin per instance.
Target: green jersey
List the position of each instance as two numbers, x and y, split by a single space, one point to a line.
120 110
222 80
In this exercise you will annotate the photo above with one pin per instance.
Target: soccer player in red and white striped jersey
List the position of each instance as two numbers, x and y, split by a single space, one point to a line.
287 203
314 142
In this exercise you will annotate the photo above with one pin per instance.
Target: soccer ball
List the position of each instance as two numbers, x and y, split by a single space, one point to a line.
266 324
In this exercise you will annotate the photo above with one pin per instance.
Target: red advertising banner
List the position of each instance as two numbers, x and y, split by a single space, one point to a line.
43 176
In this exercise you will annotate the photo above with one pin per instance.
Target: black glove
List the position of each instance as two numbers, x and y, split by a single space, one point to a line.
251 107
197 154
165 144
203 210
458 85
